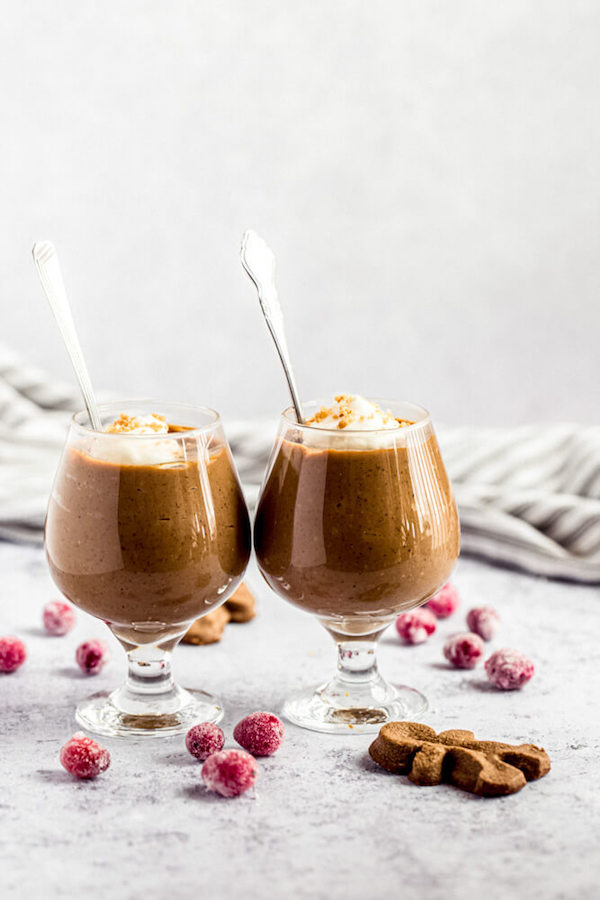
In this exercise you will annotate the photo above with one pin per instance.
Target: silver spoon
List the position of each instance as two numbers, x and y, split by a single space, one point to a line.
48 269
259 262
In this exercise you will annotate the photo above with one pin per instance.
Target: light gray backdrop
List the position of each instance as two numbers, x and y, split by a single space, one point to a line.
427 173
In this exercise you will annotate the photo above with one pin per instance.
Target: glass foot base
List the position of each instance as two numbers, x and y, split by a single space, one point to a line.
103 713
330 711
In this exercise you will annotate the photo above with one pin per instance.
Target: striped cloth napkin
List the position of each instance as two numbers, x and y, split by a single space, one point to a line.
528 496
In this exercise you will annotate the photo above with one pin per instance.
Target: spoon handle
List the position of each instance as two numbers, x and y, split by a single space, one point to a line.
48 269
274 320
259 262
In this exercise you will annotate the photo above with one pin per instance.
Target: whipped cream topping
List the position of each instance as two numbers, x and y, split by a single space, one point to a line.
125 448
125 424
355 413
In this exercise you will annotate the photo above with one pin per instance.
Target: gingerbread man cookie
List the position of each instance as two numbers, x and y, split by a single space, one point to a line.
487 768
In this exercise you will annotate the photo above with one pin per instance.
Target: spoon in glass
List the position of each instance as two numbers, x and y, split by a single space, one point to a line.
259 262
48 269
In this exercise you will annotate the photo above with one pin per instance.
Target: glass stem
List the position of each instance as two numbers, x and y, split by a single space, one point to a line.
357 662
149 670
357 683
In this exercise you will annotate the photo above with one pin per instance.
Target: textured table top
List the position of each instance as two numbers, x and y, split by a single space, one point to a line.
324 821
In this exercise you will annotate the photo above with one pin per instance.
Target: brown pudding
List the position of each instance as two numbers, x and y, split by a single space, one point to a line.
357 535
147 548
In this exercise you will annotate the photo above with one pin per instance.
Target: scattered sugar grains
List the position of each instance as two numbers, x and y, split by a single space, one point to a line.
58 617
260 733
464 651
13 653
445 602
416 626
229 772
83 757
509 670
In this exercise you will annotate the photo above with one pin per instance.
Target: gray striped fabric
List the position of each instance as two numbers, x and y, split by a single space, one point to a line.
529 496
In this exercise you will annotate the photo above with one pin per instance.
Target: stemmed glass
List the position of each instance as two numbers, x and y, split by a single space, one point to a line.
355 527
147 532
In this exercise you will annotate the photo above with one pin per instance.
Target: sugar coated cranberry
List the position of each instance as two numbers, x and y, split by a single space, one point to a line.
445 602
12 653
260 733
464 650
91 656
58 617
484 621
83 757
204 739
509 669
416 626
229 772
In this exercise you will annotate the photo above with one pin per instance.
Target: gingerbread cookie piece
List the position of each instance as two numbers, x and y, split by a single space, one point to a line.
241 604
209 629
487 768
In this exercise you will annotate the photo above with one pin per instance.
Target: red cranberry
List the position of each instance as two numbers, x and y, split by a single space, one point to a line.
12 653
509 669
83 757
464 650
416 626
260 733
91 656
445 602
58 617
484 621
204 739
229 772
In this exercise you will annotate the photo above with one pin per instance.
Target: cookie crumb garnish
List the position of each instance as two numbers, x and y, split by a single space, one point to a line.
126 424
352 409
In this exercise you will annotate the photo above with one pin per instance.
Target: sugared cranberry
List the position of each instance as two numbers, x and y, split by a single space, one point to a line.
445 602
229 772
58 617
260 733
464 650
416 626
83 757
91 656
484 621
509 669
204 739
12 653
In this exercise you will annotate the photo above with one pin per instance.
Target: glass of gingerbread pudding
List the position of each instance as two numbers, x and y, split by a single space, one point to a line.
356 522
147 529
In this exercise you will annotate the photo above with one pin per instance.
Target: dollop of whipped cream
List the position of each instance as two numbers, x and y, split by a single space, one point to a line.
355 413
125 448
125 424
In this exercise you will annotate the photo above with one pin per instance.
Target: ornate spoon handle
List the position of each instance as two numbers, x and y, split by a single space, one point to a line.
48 269
259 262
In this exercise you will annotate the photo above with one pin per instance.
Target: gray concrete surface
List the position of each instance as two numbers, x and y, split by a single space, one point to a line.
324 822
